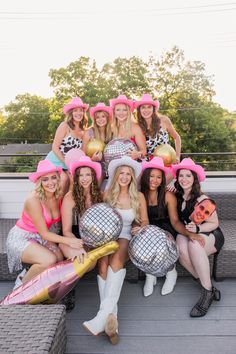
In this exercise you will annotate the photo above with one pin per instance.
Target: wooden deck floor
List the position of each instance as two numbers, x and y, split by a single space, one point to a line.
157 324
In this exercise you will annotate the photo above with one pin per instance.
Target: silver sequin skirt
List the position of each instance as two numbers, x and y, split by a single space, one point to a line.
17 241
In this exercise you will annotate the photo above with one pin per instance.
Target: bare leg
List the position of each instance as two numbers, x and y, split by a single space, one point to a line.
184 257
40 258
118 259
200 260
64 182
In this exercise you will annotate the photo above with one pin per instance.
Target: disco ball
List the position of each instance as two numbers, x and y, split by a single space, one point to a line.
153 250
117 148
99 225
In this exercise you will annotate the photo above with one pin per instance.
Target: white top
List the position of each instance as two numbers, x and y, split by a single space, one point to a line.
128 217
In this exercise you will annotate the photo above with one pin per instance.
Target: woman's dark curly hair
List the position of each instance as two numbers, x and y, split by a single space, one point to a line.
155 126
145 188
78 192
194 194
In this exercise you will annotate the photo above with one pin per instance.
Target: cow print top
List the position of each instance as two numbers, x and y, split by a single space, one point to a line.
68 143
159 139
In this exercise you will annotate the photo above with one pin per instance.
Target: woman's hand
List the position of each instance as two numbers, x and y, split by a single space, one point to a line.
73 242
135 230
81 255
192 227
97 156
198 238
134 154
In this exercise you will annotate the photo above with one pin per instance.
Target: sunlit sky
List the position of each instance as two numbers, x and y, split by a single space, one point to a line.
39 35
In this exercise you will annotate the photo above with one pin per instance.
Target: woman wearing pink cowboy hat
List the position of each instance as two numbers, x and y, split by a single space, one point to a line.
69 135
124 126
209 239
101 129
156 127
122 194
30 240
162 212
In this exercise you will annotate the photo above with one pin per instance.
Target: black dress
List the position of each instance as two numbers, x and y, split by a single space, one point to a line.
163 222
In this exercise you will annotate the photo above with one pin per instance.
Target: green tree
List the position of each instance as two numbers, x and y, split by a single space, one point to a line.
27 119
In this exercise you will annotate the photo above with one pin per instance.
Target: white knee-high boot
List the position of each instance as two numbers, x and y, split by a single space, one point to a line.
111 325
170 282
113 288
150 282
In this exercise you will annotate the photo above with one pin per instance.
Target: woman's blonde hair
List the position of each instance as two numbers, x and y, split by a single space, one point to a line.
41 192
128 124
69 120
114 191
108 133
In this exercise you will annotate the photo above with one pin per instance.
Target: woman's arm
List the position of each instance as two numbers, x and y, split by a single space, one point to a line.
143 210
140 142
168 126
59 136
171 203
34 209
85 140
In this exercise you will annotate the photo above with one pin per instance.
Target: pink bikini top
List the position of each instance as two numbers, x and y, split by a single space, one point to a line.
26 223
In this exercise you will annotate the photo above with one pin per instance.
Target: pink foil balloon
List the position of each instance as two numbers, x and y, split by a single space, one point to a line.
55 282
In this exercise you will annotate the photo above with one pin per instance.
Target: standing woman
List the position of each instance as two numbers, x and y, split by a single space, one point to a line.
162 212
123 195
124 127
30 240
155 127
68 135
194 253
101 129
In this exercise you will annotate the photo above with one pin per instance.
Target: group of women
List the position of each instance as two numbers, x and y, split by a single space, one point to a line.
136 188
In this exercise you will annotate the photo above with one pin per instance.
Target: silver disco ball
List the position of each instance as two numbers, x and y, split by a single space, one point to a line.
117 148
99 225
153 250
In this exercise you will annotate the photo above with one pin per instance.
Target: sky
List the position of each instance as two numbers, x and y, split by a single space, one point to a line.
39 35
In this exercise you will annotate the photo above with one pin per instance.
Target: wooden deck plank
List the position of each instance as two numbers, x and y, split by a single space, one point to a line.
157 324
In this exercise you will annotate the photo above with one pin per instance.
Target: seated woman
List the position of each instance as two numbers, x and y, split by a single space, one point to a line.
194 252
85 192
123 195
162 212
30 240
124 126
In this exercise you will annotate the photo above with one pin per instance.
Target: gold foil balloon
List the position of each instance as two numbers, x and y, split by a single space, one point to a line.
153 250
93 146
167 153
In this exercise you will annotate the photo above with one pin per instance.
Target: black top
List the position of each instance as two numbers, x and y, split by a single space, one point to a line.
163 222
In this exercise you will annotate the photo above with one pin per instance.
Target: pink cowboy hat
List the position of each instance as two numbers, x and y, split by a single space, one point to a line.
122 99
147 99
85 161
156 162
76 102
100 107
189 164
44 167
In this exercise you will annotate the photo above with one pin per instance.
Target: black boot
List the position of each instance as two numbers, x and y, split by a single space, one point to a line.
204 302
69 300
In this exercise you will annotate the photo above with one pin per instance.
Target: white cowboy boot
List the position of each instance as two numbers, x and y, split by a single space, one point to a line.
170 282
150 282
113 288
